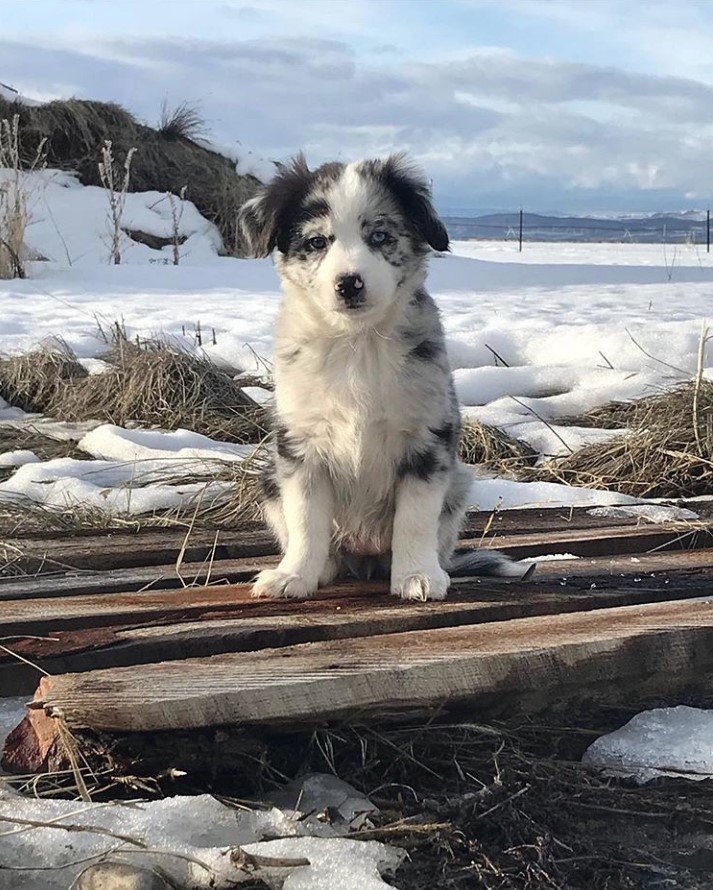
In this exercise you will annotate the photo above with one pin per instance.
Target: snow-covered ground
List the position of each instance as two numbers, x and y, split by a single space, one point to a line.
533 337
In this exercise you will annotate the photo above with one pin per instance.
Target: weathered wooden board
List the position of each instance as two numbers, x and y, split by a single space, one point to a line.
248 625
117 550
155 575
317 681
159 577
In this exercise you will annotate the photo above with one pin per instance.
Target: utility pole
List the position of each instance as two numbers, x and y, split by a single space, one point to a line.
708 231
521 229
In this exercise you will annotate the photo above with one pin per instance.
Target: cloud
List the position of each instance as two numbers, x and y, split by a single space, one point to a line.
490 125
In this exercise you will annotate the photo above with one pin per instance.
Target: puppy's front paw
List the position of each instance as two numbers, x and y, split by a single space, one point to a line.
275 584
431 584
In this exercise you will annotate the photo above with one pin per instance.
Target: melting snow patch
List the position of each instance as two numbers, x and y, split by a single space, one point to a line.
17 458
662 742
503 494
195 841
552 557
110 442
649 512
334 863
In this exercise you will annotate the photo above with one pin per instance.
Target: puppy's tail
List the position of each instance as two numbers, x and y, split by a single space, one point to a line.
481 561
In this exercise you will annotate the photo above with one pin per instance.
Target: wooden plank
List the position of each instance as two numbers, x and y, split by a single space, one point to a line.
160 577
580 542
318 681
688 563
249 625
117 549
598 541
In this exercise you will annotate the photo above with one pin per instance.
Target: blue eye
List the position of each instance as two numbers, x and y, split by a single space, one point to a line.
319 242
378 238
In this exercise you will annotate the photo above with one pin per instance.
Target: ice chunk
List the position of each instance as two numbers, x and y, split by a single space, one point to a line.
316 793
649 512
661 742
334 863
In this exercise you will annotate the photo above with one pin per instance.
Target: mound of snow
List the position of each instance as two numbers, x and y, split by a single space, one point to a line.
118 487
68 223
110 442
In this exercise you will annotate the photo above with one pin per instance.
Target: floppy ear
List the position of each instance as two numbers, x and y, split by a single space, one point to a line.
265 220
258 226
412 192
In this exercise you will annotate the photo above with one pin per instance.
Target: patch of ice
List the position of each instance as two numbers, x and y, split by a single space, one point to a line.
12 710
650 512
314 793
661 742
334 863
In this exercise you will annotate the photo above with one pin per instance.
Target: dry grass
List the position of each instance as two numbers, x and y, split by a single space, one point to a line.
14 215
496 804
667 453
75 131
488 446
156 385
33 380
182 122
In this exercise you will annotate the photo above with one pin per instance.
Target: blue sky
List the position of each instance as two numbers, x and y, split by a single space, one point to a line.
555 104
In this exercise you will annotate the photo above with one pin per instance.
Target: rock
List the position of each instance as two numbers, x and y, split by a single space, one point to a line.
120 876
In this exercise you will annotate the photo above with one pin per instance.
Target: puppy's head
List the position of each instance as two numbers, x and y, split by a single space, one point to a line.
350 238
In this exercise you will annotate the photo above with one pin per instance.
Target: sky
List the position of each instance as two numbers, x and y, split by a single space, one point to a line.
553 105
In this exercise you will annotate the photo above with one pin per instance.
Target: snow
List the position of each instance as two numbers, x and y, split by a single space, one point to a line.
247 162
505 494
17 458
535 338
661 742
111 487
110 442
196 841
68 223
649 512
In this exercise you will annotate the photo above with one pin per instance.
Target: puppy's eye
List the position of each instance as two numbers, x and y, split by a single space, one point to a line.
319 242
376 239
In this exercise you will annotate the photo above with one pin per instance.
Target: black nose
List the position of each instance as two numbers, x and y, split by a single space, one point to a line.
351 289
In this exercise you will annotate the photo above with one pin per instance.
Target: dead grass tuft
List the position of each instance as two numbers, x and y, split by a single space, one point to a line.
491 447
667 453
157 385
182 122
32 380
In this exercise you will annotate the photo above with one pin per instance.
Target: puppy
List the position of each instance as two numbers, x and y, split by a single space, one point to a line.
364 477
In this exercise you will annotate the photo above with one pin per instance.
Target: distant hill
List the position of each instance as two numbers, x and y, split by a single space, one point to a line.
651 229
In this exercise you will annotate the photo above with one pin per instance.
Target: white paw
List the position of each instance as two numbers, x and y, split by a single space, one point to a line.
275 584
431 584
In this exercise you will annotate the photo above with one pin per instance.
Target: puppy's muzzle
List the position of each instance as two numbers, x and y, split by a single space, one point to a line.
350 288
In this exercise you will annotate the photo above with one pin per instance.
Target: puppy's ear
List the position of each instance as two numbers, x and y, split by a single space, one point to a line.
413 193
258 225
265 219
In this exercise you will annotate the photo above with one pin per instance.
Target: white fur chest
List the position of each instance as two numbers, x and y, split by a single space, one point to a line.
347 399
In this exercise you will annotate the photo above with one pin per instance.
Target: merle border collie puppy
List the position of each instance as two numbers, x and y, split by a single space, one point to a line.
364 477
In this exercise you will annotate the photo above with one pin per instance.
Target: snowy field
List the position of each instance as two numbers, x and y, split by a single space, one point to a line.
533 337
